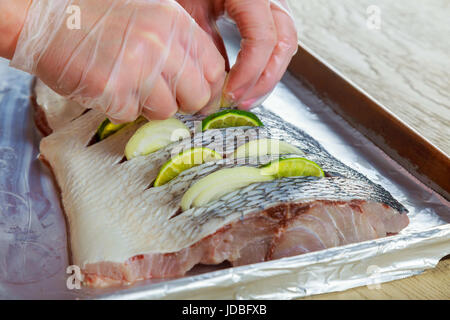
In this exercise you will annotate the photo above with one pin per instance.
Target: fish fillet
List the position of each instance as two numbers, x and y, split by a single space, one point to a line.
122 230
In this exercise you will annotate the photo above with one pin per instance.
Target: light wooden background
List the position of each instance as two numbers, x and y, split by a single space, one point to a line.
405 65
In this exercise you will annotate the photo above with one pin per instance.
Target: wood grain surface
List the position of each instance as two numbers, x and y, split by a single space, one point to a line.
405 65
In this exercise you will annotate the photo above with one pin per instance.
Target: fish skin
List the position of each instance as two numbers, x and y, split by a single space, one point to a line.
261 196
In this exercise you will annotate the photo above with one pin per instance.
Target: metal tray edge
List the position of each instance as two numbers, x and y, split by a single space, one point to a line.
398 140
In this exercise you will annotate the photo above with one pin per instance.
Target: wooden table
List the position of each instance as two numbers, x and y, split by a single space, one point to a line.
398 52
405 64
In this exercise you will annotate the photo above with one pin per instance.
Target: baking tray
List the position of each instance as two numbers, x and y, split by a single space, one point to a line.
314 97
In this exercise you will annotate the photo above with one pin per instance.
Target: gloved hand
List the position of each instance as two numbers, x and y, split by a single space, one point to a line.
269 42
127 57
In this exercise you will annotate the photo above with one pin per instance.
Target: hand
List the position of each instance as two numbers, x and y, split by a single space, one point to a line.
127 57
269 42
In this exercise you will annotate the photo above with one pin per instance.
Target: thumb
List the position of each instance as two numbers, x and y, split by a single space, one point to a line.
256 24
204 13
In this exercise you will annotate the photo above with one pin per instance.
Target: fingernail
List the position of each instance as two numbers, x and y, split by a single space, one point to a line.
254 102
227 101
248 104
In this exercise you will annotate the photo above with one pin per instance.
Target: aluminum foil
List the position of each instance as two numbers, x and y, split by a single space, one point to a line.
33 241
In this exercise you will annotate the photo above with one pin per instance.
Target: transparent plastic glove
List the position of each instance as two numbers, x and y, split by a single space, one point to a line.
127 57
269 40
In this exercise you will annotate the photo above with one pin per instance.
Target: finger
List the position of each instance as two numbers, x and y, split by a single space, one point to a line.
186 80
204 14
279 61
160 104
119 100
257 27
215 84
210 27
220 45
127 112
209 57
193 68
203 49
191 88
214 103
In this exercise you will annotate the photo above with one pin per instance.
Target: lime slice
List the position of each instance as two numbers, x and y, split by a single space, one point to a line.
263 147
231 118
219 183
292 167
107 128
155 135
183 161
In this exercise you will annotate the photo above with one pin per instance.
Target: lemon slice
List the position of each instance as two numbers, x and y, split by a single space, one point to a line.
183 161
231 118
263 147
219 183
107 128
292 167
155 135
